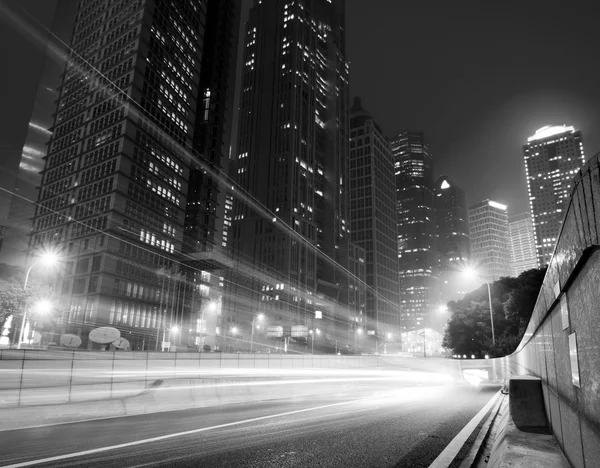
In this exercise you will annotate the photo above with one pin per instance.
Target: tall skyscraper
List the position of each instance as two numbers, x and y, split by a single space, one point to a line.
553 156
35 127
292 158
114 192
413 167
373 217
452 221
488 223
453 241
522 244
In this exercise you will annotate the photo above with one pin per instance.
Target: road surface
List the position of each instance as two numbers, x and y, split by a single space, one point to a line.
406 425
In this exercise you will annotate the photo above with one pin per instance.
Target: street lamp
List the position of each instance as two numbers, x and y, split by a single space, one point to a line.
47 259
258 317
210 307
173 330
312 341
472 273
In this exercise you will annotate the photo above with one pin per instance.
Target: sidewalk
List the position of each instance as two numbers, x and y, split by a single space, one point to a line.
513 448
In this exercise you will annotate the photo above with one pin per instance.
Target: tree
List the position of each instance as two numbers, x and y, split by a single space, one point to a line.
13 297
519 306
513 299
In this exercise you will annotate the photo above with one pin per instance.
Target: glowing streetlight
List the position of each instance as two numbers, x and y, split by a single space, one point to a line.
258 317
470 272
234 330
42 307
443 309
47 259
210 307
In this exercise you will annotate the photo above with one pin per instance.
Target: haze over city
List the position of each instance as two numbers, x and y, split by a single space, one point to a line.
299 233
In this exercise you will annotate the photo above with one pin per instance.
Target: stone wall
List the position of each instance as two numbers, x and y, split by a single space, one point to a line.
562 342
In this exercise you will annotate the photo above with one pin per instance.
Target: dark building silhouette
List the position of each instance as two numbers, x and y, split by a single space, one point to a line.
453 242
415 211
292 158
25 162
452 220
373 219
123 182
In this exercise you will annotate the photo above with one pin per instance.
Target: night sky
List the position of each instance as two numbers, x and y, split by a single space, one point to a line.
476 77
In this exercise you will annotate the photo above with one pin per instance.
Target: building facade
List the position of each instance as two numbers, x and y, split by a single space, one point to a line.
552 156
373 218
415 214
488 224
522 244
453 242
452 222
292 158
116 180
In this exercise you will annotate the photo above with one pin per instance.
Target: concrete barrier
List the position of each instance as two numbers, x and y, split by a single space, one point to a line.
527 404
134 398
34 377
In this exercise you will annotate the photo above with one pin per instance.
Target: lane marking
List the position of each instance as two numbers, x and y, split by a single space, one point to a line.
177 434
448 455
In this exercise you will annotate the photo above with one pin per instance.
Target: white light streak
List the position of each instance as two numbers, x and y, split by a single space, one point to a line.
35 126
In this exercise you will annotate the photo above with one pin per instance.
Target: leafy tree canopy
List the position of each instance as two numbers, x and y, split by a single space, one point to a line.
469 329
13 298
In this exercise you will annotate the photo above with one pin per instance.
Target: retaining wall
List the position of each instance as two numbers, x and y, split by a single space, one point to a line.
562 341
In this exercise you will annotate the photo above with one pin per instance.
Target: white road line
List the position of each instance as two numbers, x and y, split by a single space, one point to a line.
177 434
449 453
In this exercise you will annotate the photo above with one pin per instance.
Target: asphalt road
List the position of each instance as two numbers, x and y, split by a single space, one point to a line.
404 426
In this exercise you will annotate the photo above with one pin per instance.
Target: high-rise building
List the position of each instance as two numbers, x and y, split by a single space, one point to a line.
488 224
452 221
41 102
292 158
417 257
357 297
453 242
133 116
553 156
522 244
373 217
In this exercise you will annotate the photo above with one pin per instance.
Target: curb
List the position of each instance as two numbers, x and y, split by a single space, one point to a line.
479 443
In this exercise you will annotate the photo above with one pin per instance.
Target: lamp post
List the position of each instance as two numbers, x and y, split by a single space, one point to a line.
471 272
211 307
358 333
312 342
388 339
48 259
174 330
258 317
